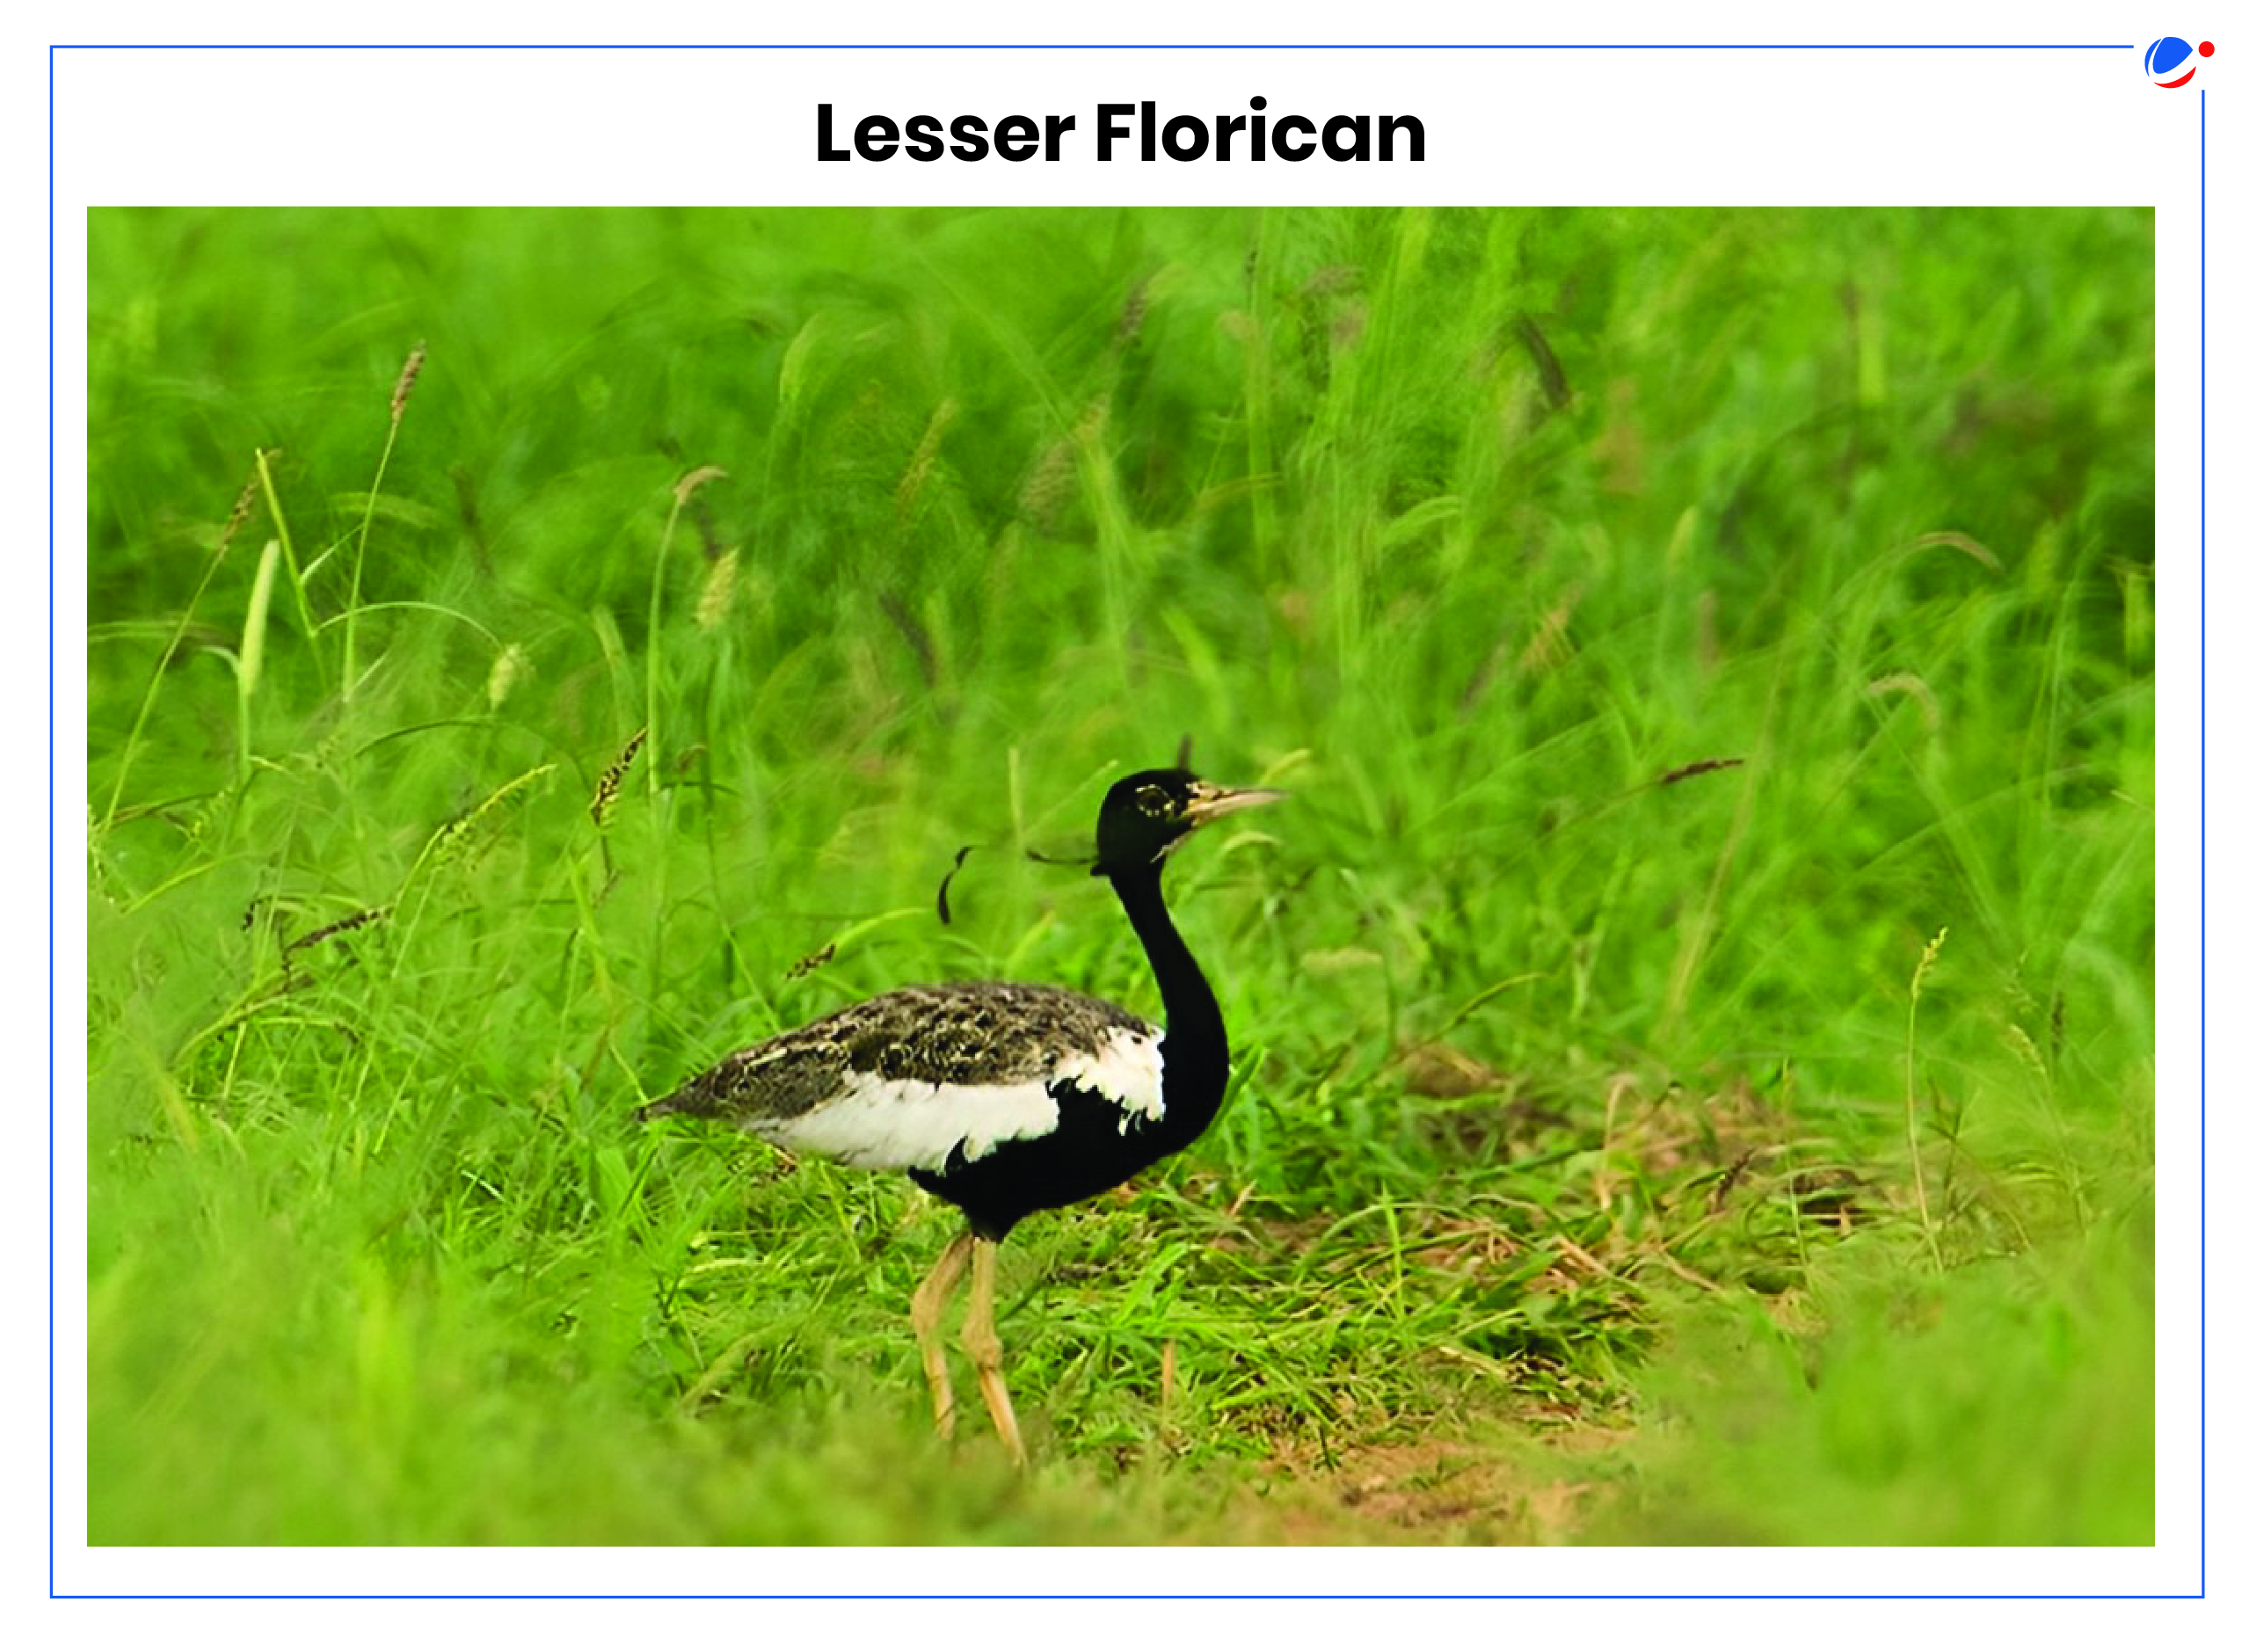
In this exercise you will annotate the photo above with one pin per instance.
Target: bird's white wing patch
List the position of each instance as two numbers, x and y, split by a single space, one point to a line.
878 1124
1125 1068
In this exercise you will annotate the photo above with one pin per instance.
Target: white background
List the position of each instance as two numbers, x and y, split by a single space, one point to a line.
705 126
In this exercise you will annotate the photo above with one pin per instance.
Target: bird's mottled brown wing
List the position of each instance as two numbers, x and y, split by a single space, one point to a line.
980 1033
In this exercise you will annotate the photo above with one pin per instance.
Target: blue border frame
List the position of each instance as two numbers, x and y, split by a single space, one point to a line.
2203 756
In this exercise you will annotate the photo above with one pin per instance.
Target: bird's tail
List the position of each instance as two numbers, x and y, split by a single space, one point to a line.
690 1101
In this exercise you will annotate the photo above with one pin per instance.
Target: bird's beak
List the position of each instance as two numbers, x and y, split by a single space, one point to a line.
1211 803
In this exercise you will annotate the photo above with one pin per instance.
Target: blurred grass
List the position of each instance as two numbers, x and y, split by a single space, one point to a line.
1573 1087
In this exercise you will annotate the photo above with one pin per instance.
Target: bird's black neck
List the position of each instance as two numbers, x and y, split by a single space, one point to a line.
1195 1054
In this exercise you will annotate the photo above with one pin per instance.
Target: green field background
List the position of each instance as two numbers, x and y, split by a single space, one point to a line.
1693 1017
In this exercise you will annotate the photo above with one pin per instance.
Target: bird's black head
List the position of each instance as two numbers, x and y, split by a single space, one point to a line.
1148 813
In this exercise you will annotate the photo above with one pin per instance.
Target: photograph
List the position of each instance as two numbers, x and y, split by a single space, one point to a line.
1198 875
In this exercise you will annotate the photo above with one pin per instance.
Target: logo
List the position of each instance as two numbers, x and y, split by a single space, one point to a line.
2171 61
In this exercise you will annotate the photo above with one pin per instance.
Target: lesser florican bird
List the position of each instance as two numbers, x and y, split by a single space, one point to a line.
1004 1100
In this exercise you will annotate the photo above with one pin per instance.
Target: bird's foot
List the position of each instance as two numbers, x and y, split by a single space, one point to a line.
1000 1410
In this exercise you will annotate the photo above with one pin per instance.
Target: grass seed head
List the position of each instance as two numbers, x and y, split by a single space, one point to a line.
511 665
1923 964
1914 687
341 926
922 458
817 960
1132 321
1050 486
1703 766
1550 646
720 585
693 481
610 786
244 502
407 377
457 839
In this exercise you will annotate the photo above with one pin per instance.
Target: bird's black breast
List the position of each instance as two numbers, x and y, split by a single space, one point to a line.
1097 1146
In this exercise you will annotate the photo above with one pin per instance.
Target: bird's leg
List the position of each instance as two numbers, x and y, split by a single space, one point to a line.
987 1352
927 1303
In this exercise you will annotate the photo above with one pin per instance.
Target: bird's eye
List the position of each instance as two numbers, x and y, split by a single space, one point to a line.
1155 802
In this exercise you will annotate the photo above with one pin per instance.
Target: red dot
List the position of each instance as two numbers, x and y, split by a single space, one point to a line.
2206 48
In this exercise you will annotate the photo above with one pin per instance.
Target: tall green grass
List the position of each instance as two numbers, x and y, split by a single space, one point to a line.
1668 623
